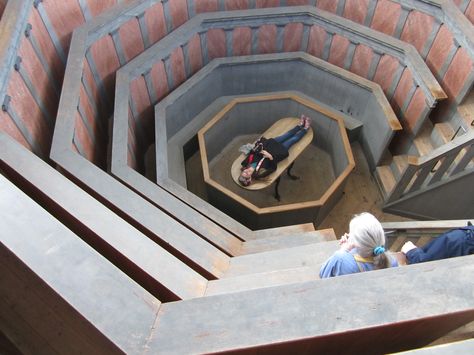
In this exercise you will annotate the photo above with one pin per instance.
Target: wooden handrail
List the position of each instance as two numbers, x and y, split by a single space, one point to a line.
418 173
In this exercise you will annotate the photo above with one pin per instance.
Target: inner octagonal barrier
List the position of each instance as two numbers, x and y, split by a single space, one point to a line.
253 115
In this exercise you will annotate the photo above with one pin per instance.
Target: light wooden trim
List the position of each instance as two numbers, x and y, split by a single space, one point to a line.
281 208
440 224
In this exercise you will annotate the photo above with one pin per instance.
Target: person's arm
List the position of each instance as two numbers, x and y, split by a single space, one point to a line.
346 242
266 154
266 171
413 254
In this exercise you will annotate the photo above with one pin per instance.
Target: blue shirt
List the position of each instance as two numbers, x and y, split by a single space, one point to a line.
342 262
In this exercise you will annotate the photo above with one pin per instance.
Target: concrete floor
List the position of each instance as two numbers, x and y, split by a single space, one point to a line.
360 194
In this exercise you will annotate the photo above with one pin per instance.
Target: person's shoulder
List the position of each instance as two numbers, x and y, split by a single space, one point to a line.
340 263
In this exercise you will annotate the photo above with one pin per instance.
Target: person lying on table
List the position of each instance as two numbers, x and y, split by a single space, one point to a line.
262 160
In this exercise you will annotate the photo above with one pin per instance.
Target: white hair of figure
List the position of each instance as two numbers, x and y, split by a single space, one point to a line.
368 237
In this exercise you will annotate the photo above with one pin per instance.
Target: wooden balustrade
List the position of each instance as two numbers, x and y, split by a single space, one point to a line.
443 163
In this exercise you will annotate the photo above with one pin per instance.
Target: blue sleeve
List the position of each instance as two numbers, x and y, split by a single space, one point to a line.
393 261
340 263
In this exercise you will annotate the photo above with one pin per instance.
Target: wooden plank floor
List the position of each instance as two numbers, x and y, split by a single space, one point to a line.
361 194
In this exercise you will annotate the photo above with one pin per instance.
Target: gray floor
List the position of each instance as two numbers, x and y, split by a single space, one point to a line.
360 194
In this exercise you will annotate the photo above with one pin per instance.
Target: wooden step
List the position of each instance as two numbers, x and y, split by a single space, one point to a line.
297 228
441 134
260 280
422 145
287 241
385 179
466 111
462 338
307 255
398 165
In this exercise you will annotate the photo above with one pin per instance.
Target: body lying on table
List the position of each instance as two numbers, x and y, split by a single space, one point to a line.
263 158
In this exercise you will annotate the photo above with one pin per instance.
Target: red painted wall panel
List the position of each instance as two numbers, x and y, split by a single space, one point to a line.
361 60
195 53
89 79
292 37
267 3
440 49
89 115
130 154
106 60
356 10
32 66
131 38
458 72
317 38
338 51
327 5
386 17
139 94
9 127
47 48
132 126
155 22
415 109
418 27
403 88
70 18
470 12
25 107
160 82
241 41
177 66
132 141
385 71
236 4
205 6
216 46
86 142
97 7
267 39
178 11
297 2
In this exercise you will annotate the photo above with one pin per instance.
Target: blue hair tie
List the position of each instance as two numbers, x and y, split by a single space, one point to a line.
379 250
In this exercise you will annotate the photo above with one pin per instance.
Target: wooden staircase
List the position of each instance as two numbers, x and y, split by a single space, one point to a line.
436 145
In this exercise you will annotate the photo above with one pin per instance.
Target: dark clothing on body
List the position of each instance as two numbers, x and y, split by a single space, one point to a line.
278 147
456 242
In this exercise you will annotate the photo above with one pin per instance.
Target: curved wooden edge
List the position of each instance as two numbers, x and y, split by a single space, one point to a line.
279 127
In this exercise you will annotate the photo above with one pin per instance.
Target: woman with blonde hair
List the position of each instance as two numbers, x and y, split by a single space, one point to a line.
362 249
